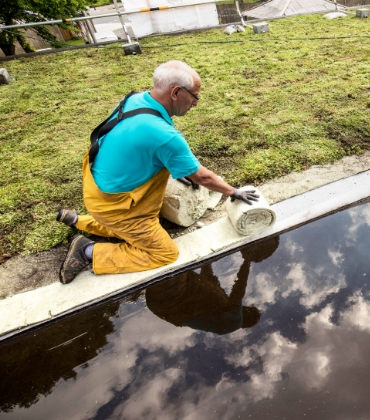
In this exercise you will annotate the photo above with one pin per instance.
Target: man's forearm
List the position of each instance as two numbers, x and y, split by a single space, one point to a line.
208 179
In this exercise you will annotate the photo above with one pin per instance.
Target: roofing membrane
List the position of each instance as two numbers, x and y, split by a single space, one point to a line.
280 8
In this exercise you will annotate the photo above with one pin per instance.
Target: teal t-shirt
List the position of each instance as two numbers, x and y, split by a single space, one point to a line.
139 147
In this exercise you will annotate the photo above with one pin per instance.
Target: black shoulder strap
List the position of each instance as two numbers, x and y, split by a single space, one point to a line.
106 126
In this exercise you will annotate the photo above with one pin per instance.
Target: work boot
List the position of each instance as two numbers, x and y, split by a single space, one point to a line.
68 217
76 260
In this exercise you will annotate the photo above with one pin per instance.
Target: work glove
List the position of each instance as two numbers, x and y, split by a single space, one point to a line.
187 181
246 196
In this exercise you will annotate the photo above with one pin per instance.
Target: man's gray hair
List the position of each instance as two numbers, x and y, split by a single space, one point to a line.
173 73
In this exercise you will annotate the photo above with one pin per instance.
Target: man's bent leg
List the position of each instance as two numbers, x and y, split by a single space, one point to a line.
132 217
88 224
149 249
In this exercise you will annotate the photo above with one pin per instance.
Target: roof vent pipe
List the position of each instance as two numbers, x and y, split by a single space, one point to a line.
286 7
258 28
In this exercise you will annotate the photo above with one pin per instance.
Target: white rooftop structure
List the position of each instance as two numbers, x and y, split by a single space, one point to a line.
193 16
105 36
281 8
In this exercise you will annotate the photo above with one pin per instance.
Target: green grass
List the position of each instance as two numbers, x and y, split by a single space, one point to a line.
98 3
75 42
269 105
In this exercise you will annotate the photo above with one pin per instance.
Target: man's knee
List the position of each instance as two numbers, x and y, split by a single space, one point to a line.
170 254
174 252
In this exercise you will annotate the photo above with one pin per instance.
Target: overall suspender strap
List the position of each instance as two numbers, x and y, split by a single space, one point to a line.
106 126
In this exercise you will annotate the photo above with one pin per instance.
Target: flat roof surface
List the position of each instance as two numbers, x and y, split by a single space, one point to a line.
34 307
279 8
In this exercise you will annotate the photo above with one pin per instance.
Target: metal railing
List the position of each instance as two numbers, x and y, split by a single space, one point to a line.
120 14
235 15
348 3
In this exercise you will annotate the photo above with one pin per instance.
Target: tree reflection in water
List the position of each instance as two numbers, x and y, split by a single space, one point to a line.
47 357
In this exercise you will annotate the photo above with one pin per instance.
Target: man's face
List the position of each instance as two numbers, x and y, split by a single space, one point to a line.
186 99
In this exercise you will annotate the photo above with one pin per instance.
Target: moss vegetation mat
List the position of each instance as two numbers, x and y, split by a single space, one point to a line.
270 104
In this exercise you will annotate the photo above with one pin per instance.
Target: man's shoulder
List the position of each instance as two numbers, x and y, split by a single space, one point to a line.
141 100
144 100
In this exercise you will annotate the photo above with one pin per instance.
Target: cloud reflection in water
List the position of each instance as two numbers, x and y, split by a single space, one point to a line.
308 354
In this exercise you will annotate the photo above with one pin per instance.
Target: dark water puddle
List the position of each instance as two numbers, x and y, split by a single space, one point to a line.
279 329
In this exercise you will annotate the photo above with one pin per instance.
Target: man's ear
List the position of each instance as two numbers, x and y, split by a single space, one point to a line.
175 91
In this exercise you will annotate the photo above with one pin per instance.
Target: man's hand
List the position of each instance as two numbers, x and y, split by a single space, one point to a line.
246 196
187 181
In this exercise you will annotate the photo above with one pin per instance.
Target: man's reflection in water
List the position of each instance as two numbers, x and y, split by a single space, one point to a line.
198 300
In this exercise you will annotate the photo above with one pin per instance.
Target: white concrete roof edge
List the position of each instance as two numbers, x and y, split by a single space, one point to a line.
26 310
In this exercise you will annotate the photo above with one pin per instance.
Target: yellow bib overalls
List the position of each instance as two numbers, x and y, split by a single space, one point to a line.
133 217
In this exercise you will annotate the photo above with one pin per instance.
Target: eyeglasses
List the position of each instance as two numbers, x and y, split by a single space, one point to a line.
192 94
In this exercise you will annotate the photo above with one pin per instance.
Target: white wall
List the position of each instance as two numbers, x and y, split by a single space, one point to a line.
160 21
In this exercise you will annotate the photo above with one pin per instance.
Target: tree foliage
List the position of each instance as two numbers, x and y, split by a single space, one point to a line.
17 11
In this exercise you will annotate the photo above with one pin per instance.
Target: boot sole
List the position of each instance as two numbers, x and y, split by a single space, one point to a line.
71 250
60 216
64 216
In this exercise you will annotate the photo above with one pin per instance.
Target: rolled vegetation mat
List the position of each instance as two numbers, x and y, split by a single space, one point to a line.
183 205
250 220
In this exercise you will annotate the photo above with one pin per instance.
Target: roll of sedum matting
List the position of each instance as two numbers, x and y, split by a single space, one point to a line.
250 220
184 206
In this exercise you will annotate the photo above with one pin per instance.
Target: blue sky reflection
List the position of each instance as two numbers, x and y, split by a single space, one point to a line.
308 354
